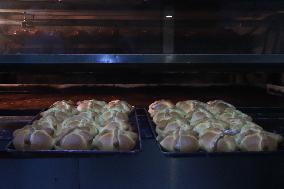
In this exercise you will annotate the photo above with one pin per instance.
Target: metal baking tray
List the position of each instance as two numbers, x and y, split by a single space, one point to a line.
145 130
271 119
14 119
93 152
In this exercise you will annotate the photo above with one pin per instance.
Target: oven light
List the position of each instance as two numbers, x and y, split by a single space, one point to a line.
169 16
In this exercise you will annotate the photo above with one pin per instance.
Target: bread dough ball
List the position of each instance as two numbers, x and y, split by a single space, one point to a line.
226 144
218 106
172 126
32 139
204 124
115 140
163 117
120 106
189 106
180 140
230 113
91 105
199 115
109 115
159 106
208 140
75 139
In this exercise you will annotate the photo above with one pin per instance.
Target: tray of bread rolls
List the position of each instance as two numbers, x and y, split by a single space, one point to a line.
88 127
194 128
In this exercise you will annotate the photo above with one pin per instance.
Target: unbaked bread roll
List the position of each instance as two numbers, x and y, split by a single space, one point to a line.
112 115
236 123
88 115
63 105
60 110
29 138
172 126
199 115
90 105
188 106
230 113
247 129
59 114
120 106
204 124
180 140
252 137
259 141
116 124
78 121
74 139
167 115
277 137
159 106
115 140
48 123
208 140
218 106
226 143
27 127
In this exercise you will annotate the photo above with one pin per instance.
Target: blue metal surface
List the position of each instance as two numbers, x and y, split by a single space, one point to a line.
142 58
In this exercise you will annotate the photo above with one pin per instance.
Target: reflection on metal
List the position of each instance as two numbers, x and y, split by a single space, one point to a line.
109 59
143 58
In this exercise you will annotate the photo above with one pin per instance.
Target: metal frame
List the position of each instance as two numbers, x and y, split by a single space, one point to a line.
143 58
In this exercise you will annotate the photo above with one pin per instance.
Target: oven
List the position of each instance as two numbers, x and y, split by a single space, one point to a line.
141 51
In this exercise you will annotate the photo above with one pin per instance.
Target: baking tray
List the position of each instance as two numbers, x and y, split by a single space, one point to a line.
14 119
271 119
145 130
93 152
